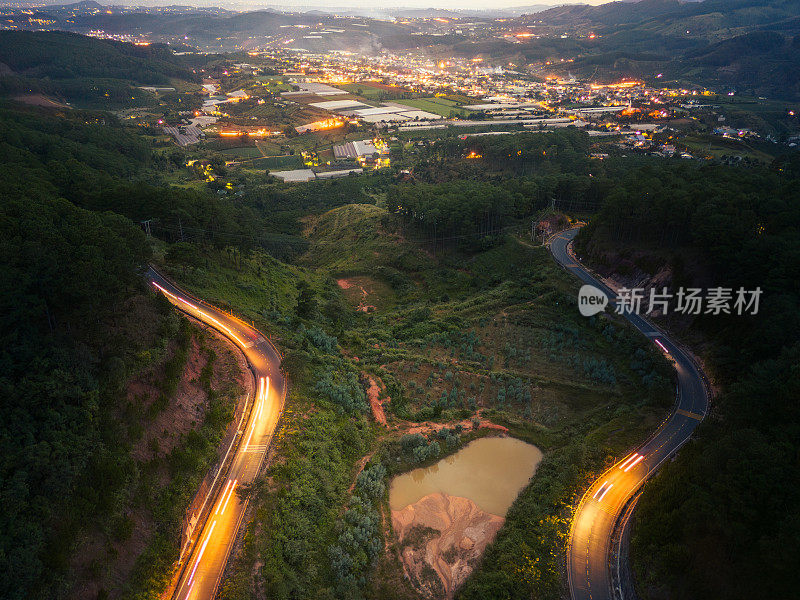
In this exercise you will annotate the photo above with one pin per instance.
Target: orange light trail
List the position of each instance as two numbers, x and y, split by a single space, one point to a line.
249 436
265 383
206 315
599 490
225 491
603 495
202 549
634 463
230 493
263 390
260 397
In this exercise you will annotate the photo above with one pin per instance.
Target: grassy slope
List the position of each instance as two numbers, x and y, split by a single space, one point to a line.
516 306
348 240
316 446
517 303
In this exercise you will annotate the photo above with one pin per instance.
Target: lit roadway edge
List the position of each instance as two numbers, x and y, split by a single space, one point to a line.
202 570
589 549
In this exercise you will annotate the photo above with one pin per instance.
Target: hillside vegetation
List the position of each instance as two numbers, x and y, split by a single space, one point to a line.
89 492
414 294
721 520
485 330
87 71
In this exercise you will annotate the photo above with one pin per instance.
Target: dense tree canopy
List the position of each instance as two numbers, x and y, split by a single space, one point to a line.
722 520
62 270
87 70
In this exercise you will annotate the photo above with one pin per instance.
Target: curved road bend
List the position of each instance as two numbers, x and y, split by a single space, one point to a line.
204 566
589 549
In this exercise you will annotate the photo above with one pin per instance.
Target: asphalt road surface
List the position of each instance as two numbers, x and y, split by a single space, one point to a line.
589 548
201 571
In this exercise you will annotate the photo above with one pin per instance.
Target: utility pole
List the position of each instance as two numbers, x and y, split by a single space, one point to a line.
180 227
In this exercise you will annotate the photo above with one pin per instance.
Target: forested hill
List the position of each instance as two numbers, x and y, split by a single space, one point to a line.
63 55
76 323
97 163
66 275
721 520
87 70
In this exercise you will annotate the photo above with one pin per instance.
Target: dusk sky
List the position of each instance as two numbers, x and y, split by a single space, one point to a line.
331 5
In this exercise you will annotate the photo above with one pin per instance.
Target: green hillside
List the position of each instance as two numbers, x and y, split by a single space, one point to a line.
85 70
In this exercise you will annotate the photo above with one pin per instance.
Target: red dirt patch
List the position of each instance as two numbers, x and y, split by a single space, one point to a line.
360 288
344 284
467 424
374 393
441 539
104 563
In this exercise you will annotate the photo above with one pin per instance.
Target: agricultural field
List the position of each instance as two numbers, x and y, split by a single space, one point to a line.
459 98
440 106
268 147
759 113
277 163
242 152
716 146
274 84
375 91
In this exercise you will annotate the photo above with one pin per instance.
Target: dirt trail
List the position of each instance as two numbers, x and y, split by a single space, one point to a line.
374 393
427 427
359 467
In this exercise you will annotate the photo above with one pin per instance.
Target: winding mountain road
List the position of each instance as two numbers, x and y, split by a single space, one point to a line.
589 550
201 570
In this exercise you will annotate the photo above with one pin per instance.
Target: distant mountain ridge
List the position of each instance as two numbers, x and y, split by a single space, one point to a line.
719 13
363 10
750 46
740 46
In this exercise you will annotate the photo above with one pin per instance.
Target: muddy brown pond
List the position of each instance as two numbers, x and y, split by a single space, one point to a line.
489 471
